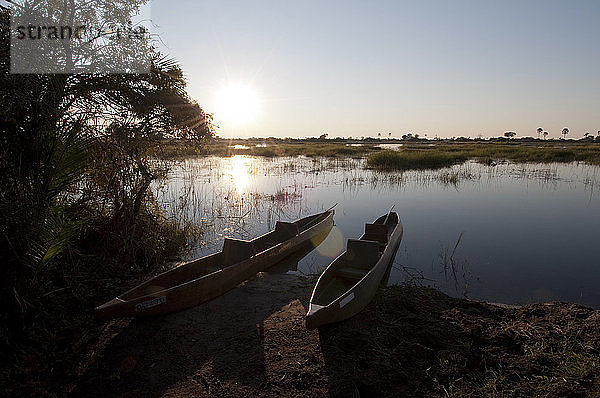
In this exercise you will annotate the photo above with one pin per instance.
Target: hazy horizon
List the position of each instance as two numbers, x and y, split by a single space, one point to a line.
467 68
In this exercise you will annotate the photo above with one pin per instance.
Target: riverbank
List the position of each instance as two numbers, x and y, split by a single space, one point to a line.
411 341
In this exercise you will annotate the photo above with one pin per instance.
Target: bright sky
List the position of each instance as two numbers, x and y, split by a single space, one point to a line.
356 68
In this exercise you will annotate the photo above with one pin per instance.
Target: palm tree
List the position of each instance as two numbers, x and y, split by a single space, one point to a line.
539 131
565 131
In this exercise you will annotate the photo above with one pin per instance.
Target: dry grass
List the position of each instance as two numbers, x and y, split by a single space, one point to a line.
414 341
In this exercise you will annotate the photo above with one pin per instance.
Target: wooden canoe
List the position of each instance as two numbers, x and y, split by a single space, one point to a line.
349 283
206 278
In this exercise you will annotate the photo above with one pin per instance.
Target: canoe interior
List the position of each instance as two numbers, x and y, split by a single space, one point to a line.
360 257
234 251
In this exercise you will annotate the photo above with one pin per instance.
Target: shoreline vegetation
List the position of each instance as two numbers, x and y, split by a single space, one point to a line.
408 155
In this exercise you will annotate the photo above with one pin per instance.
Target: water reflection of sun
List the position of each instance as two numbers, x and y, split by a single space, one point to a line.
240 173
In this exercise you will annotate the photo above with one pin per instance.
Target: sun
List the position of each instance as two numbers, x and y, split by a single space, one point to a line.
236 104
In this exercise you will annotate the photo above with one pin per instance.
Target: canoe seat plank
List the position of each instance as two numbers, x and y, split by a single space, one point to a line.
286 229
351 273
236 250
362 254
376 232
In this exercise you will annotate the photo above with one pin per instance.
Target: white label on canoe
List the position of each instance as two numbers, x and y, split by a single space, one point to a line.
346 300
153 302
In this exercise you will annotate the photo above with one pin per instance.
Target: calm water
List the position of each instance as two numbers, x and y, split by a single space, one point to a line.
512 233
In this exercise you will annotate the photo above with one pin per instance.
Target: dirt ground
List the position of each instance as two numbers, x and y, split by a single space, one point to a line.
409 342
249 342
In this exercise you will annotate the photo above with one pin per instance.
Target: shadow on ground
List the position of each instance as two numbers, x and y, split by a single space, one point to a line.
230 346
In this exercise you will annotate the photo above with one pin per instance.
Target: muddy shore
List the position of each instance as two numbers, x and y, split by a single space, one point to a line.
410 341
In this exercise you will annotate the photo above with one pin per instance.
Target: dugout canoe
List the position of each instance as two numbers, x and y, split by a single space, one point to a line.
206 278
349 283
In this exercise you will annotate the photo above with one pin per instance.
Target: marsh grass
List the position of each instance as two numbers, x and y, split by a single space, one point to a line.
412 159
328 150
454 177
411 156
438 156
453 268
449 177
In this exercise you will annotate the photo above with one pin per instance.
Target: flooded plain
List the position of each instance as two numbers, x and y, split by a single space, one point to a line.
511 233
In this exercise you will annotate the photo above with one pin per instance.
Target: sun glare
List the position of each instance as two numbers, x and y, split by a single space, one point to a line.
333 244
236 104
